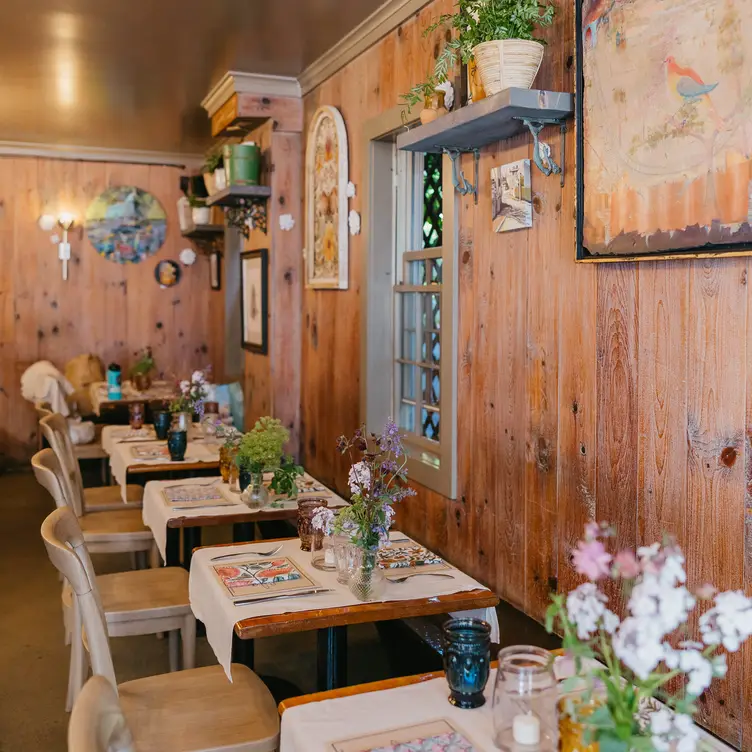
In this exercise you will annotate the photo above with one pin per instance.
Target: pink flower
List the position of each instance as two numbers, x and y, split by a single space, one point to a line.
592 531
626 564
591 559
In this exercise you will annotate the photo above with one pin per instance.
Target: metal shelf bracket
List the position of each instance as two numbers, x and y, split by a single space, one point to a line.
461 183
542 151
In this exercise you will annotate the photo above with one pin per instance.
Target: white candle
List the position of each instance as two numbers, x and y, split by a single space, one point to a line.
329 559
526 729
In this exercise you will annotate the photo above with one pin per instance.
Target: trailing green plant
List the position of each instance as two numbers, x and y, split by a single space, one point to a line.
145 363
213 160
196 201
283 483
261 448
420 92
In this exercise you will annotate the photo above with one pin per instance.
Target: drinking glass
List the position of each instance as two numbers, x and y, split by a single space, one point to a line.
177 443
136 411
306 509
467 660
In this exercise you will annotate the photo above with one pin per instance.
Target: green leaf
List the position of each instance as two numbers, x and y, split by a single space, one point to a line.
610 743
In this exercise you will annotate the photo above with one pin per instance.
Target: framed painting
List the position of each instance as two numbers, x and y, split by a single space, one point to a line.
254 299
326 201
664 147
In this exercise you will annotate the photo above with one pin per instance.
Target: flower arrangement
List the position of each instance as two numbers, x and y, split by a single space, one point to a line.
638 657
192 394
145 363
377 481
261 448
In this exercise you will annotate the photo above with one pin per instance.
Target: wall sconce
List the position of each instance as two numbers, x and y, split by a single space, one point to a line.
65 220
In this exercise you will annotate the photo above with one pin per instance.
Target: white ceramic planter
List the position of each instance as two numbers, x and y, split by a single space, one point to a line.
508 63
201 215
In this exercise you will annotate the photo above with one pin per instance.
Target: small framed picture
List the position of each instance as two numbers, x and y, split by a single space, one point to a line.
215 270
511 196
254 295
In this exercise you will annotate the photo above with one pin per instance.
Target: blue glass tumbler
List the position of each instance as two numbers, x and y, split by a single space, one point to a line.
162 423
467 661
177 443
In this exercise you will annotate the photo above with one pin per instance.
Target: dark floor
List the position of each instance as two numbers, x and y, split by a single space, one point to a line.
34 660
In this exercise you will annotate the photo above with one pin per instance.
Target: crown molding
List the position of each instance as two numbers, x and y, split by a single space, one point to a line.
97 154
384 19
237 82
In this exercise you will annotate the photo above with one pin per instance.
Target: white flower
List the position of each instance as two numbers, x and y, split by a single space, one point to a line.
448 90
699 670
185 386
353 220
610 621
585 608
729 622
637 646
350 190
669 728
661 605
198 377
286 222
187 257
359 477
322 520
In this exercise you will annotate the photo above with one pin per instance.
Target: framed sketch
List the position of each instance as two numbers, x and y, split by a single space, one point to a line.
664 147
326 196
254 300
215 270
511 196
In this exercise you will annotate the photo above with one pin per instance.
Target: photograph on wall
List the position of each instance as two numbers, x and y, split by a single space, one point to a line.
326 209
254 297
665 148
511 196
126 224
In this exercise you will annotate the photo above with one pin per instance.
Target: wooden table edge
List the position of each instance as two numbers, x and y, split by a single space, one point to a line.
171 466
231 519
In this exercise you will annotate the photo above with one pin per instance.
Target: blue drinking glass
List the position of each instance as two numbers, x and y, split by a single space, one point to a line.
162 423
177 443
467 660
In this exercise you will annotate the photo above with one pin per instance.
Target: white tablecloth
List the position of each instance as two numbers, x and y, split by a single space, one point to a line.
112 435
156 511
215 608
122 458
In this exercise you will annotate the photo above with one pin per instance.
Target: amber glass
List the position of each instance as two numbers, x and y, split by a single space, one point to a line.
137 412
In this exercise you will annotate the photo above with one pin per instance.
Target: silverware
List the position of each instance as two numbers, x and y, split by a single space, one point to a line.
197 485
311 591
399 580
249 553
137 441
203 506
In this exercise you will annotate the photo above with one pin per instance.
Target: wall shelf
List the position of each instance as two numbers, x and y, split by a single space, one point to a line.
239 195
204 232
495 118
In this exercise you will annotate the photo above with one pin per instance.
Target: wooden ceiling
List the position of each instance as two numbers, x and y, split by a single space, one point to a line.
131 75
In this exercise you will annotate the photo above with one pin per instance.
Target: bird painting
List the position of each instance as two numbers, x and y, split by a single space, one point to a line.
595 12
686 85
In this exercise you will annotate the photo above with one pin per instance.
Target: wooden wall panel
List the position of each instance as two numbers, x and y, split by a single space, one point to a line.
104 308
615 391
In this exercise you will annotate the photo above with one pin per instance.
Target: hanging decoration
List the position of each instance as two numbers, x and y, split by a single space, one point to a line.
326 210
126 224
187 257
353 220
286 222
167 273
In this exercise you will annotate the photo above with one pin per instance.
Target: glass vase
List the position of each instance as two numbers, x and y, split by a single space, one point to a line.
182 422
344 553
467 661
525 699
255 495
306 509
367 581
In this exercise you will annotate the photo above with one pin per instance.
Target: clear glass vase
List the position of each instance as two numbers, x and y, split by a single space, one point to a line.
255 495
344 553
367 581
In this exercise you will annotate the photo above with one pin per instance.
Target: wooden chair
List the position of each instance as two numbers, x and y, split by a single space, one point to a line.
197 709
91 451
98 499
97 723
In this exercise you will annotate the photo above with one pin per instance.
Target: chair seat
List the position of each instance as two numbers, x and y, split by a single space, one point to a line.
105 526
160 592
109 498
199 709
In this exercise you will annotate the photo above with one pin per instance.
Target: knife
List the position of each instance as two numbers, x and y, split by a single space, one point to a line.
311 591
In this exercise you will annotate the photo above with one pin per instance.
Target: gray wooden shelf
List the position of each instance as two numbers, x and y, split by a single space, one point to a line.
203 232
492 119
237 195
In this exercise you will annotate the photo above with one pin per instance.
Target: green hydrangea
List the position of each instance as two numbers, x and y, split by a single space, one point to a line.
261 447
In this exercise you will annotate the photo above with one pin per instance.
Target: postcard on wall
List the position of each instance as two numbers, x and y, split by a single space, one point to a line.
263 577
150 451
436 736
511 196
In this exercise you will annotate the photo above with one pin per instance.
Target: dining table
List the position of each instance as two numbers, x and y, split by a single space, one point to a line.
100 395
170 507
234 590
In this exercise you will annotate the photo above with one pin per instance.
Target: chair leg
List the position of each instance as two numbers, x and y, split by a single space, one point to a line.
155 560
134 560
174 639
188 637
78 664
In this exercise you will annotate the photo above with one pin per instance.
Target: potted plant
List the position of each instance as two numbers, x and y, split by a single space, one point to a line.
635 681
498 36
423 93
284 480
213 162
200 212
259 450
142 369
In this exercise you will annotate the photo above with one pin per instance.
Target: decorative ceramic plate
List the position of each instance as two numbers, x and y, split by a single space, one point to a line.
167 273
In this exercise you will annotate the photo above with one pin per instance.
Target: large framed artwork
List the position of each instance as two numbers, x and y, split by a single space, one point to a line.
664 106
254 300
326 201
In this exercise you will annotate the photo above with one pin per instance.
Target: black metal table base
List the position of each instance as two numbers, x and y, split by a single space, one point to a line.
331 672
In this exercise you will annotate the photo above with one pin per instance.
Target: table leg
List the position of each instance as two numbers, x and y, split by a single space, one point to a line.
172 547
191 540
243 531
242 651
332 658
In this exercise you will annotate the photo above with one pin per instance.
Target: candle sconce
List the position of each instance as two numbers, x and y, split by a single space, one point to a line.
65 220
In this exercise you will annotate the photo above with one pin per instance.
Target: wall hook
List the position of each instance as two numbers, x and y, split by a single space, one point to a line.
461 183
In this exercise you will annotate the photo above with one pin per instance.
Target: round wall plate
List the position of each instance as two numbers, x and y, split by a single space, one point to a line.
167 273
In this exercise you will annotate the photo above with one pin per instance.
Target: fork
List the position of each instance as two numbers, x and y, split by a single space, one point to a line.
248 553
400 580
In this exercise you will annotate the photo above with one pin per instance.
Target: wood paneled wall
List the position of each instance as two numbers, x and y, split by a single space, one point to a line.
104 308
617 391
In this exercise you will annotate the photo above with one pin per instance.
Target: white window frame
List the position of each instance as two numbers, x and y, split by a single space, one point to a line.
430 463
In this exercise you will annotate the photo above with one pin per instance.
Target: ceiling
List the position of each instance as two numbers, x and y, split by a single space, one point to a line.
130 74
